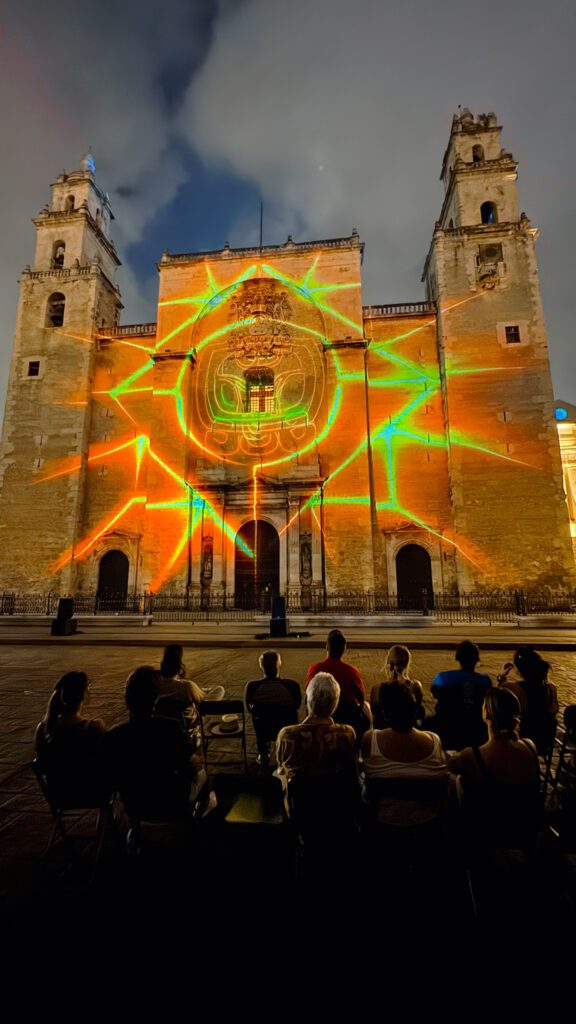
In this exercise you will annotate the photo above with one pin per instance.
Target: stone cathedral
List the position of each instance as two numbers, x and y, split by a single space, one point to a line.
270 434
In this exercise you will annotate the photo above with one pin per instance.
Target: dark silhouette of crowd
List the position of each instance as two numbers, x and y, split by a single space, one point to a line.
343 765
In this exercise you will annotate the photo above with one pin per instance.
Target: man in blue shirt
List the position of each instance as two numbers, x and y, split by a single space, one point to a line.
460 695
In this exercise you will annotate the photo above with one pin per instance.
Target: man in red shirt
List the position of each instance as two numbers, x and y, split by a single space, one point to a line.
348 677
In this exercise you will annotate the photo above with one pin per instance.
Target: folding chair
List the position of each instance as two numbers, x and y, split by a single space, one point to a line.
409 814
62 800
323 805
185 716
324 813
567 746
210 730
268 718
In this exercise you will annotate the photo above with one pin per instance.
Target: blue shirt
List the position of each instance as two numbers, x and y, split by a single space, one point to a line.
474 685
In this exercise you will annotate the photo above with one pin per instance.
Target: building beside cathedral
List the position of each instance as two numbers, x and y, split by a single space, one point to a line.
272 434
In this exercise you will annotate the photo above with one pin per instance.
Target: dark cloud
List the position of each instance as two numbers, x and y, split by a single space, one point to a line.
340 113
336 112
73 76
125 191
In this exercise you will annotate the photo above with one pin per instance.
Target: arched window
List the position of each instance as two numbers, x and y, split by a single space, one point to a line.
259 390
488 213
477 153
69 207
55 310
58 250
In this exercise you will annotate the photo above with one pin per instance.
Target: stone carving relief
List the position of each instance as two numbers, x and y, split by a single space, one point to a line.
269 333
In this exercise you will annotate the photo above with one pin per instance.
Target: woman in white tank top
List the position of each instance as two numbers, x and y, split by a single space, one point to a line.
402 752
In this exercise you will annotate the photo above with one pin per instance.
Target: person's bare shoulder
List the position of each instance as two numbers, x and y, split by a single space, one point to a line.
366 744
461 763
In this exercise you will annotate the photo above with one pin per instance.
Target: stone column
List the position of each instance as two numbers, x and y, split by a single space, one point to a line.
317 542
219 553
293 541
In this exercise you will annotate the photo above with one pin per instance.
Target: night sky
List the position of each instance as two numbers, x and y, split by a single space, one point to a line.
334 113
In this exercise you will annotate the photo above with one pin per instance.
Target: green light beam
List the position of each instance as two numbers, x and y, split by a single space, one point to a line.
305 293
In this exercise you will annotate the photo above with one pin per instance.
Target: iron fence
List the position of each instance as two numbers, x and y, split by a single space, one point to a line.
207 605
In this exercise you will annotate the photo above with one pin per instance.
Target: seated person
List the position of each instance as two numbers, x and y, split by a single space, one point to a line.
273 702
70 748
396 670
352 707
319 745
173 684
459 694
403 752
150 758
500 779
538 698
317 764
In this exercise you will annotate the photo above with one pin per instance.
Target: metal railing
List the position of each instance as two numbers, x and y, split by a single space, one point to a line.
399 309
205 605
128 330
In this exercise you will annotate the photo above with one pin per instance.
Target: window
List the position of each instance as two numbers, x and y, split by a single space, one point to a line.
55 310
512 332
69 207
259 391
477 154
488 213
34 368
490 254
261 398
58 250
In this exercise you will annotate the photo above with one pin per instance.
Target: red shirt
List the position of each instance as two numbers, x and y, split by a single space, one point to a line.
348 677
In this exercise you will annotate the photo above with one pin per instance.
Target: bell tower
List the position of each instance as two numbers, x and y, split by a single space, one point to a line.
481 271
66 296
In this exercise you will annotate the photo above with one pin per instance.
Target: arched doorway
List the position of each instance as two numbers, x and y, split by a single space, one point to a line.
257 577
414 577
113 580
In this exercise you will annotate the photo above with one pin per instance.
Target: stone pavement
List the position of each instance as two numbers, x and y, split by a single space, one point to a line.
29 671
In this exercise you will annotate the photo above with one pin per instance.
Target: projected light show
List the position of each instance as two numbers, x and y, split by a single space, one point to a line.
266 397
271 434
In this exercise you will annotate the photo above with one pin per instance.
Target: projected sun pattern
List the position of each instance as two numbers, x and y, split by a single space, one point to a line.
251 381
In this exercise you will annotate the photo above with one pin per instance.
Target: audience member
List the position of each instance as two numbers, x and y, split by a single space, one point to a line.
319 745
69 747
396 670
150 758
403 752
537 697
500 779
273 702
173 684
459 694
352 708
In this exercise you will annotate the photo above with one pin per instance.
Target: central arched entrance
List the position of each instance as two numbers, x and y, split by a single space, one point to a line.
414 577
113 581
256 565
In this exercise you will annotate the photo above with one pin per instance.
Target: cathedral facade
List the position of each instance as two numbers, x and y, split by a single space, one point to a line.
270 433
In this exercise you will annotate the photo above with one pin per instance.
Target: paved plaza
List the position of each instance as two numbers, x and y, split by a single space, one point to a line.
29 671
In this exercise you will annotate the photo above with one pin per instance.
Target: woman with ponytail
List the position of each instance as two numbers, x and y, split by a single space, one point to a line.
537 696
68 746
500 780
397 670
